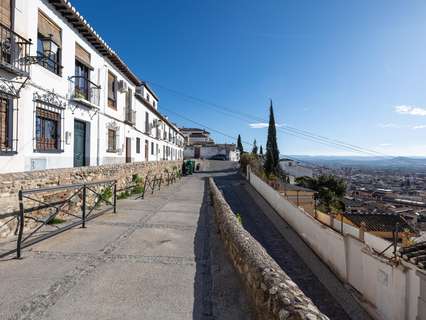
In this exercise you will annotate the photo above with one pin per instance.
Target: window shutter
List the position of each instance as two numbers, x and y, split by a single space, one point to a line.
5 13
82 55
129 99
110 85
46 28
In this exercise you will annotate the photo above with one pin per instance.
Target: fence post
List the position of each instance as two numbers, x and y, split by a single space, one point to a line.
297 197
115 196
83 208
362 231
315 205
21 224
395 238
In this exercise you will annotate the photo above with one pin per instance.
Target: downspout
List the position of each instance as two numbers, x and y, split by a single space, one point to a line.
98 127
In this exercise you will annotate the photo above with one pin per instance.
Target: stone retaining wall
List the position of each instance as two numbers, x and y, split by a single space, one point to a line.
11 183
274 294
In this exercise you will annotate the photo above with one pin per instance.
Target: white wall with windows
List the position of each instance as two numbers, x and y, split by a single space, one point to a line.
79 104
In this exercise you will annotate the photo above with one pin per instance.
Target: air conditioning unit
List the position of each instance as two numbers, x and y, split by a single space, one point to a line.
122 86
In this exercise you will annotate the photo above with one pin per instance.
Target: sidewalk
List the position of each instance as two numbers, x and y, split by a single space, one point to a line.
151 260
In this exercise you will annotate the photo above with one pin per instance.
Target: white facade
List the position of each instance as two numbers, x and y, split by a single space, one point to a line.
294 170
211 150
82 126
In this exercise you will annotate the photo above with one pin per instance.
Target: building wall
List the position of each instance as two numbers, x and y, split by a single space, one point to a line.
97 118
392 291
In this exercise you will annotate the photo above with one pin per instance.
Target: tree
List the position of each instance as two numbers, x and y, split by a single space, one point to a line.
272 154
330 190
240 145
254 150
261 151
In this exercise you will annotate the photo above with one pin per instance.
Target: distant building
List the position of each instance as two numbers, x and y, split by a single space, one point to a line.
196 136
199 145
294 170
208 151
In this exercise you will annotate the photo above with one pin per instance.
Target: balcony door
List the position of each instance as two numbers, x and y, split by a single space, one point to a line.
79 143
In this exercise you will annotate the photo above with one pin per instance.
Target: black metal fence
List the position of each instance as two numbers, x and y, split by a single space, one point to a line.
45 212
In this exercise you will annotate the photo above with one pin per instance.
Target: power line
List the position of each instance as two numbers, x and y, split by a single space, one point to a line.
302 134
223 133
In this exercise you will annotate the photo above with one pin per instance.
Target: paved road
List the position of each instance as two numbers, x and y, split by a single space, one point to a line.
156 259
289 251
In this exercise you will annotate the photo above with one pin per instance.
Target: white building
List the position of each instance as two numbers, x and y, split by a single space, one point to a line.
67 99
294 170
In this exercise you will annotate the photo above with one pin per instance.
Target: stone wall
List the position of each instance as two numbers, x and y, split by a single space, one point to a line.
274 294
11 183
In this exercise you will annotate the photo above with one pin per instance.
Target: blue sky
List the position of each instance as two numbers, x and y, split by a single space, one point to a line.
348 70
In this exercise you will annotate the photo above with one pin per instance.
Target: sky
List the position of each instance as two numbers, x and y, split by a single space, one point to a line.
353 71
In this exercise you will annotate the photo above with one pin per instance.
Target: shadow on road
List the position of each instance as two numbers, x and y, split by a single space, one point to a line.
203 283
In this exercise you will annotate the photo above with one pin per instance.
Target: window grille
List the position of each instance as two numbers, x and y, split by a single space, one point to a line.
48 123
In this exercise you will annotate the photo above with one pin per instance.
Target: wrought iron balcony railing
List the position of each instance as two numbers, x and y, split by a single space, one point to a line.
84 91
14 51
130 116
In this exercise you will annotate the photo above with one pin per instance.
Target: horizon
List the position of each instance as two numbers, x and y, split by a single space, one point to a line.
326 72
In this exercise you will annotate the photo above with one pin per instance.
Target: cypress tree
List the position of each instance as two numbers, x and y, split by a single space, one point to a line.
254 150
240 145
272 153
261 151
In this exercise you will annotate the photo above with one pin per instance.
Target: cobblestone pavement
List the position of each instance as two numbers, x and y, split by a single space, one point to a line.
289 251
155 259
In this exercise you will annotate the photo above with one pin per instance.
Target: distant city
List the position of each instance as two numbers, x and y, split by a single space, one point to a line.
375 185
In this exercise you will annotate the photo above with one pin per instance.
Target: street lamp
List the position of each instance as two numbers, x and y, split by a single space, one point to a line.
49 46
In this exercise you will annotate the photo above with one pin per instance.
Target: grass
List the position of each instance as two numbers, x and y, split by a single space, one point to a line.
239 218
56 221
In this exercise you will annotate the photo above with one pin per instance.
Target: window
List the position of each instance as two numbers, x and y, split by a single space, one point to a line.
138 145
6 124
82 72
147 97
47 130
112 91
112 140
81 81
153 103
146 123
49 42
152 148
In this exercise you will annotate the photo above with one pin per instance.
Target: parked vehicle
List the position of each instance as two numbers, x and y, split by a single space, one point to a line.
219 157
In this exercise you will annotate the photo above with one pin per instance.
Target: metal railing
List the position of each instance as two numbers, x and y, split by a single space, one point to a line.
53 210
84 90
153 183
14 51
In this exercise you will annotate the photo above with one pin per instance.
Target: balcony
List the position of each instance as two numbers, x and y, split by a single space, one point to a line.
84 91
14 52
130 116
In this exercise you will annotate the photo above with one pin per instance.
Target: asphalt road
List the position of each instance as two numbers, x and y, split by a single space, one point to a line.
313 277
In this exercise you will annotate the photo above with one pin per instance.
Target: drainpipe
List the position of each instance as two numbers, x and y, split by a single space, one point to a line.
99 122
98 141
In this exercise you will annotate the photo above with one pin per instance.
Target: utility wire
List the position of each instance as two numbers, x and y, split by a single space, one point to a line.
303 134
223 133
